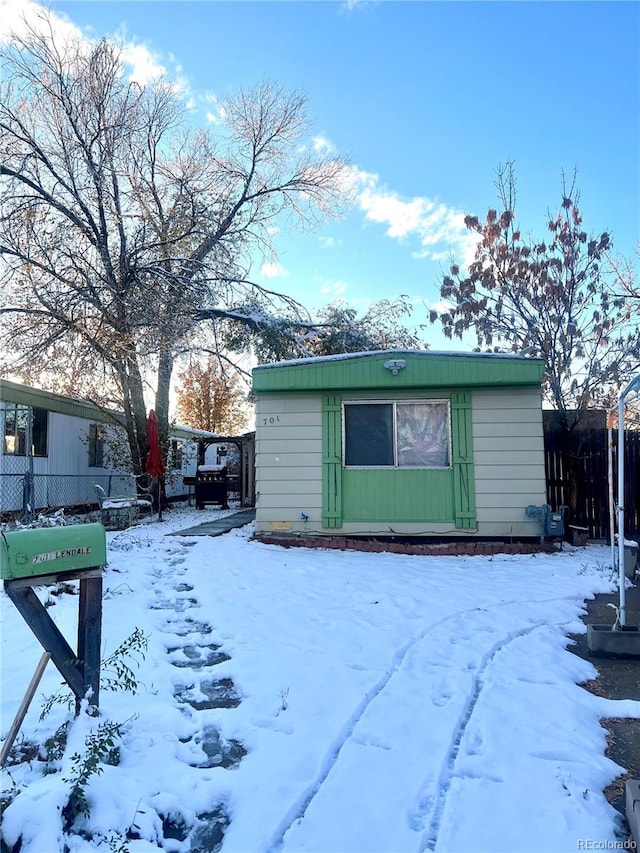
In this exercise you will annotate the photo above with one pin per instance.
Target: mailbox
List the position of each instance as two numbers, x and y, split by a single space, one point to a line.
50 550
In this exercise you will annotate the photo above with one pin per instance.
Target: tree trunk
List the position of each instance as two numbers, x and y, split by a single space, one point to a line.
135 413
165 370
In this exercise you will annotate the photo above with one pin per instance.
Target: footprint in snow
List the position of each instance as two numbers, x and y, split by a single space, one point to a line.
474 743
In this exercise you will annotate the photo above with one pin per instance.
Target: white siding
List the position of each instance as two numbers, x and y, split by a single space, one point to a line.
62 477
68 445
288 462
508 454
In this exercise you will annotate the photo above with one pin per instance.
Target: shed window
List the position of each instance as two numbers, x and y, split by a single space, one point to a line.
397 434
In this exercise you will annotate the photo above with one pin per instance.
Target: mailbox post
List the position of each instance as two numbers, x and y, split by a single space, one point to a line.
30 558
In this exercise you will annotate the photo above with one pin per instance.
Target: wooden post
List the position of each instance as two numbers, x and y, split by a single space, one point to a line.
90 637
24 707
81 671
48 633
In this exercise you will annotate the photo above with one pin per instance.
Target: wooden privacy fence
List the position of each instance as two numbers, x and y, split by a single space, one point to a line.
576 471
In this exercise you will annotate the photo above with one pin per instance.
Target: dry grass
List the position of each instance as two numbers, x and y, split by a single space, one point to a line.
593 686
615 792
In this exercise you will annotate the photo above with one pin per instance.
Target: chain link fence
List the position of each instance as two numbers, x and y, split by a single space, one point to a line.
25 495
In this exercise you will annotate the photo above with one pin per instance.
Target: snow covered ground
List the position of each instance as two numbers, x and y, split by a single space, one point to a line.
386 703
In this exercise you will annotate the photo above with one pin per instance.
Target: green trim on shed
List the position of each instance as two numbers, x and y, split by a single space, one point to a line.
331 461
423 369
464 493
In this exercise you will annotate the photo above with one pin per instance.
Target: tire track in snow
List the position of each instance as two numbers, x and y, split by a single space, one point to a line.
435 812
298 810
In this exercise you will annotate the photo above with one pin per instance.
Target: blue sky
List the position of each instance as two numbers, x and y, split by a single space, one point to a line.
427 98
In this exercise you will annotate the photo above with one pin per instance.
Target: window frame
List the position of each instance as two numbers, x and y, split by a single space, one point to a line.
176 454
96 441
394 403
24 437
40 432
11 411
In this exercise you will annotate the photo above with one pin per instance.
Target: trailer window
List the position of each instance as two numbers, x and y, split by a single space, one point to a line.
39 431
97 436
176 454
16 424
22 423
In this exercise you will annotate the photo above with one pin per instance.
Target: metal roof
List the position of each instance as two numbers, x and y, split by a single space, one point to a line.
415 369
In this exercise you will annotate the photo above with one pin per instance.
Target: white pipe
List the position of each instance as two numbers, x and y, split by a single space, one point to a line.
621 574
633 386
612 507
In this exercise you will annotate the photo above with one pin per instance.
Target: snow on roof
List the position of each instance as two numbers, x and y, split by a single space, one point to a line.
343 356
185 431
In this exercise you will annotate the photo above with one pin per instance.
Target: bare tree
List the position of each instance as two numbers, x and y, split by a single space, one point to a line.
551 296
623 276
119 226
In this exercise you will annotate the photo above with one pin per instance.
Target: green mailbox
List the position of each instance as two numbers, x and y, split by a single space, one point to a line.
50 550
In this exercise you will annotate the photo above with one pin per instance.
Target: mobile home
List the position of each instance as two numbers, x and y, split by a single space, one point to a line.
66 447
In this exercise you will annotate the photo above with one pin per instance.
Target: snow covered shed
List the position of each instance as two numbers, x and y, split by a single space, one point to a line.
399 443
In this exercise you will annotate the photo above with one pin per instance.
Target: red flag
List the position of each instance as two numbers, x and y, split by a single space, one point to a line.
154 463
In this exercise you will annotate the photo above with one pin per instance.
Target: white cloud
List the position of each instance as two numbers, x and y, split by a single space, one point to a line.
145 65
352 5
273 270
334 289
17 17
435 256
176 63
440 229
402 217
442 306
323 145
217 113
329 242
